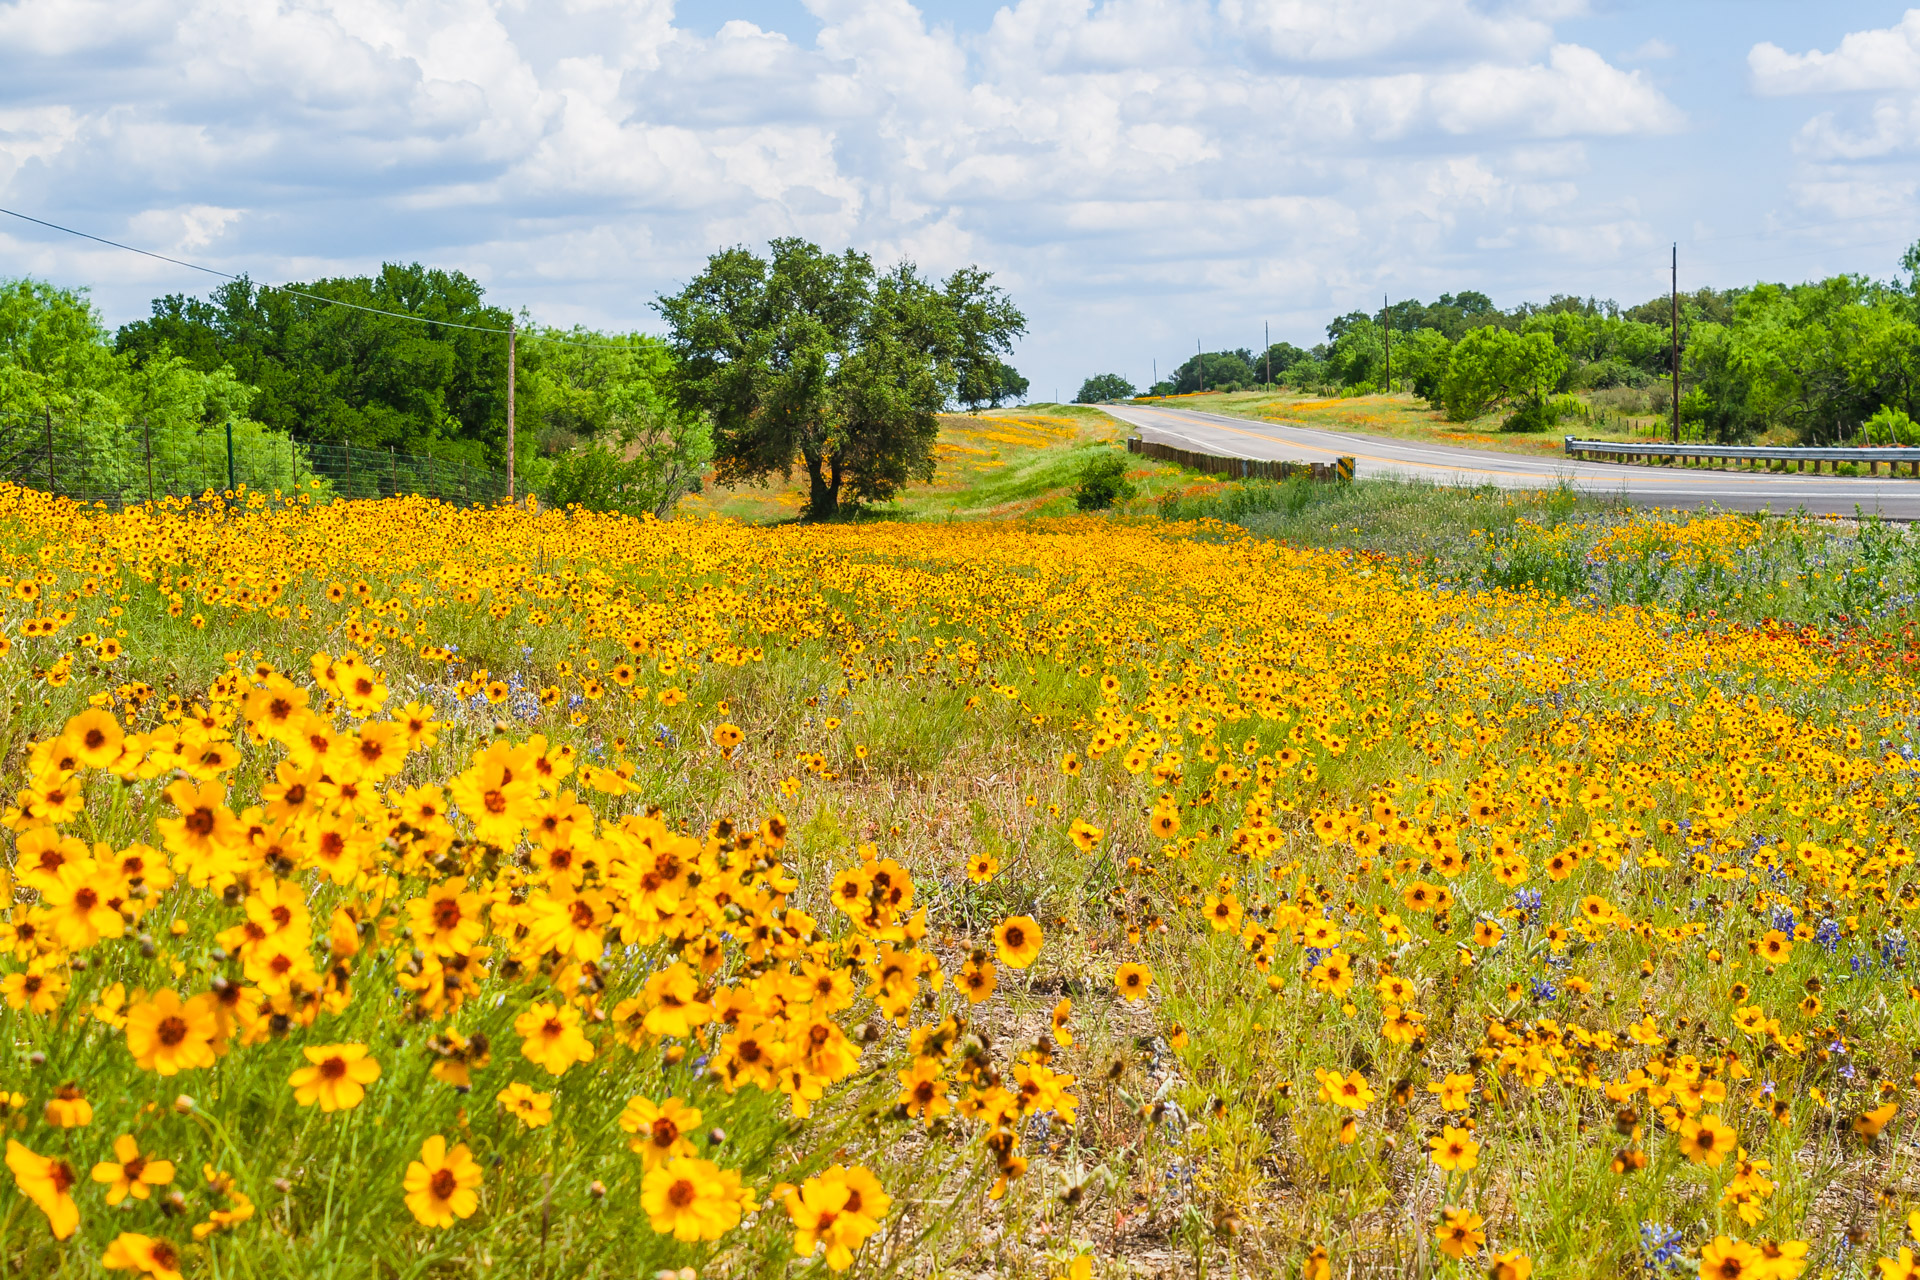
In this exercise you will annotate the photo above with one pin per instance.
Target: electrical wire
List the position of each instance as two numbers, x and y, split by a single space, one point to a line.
315 297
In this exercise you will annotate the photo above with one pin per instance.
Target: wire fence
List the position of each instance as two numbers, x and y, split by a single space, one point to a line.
121 464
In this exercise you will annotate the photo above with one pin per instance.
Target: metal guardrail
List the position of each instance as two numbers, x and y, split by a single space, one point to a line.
1340 469
1777 458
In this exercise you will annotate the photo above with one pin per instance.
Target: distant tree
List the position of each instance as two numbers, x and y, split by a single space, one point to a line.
814 358
1280 358
57 364
1491 366
1009 387
335 373
1102 387
985 323
1357 355
1221 367
611 436
1420 361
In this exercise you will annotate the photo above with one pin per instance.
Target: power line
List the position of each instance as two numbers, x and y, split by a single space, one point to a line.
302 293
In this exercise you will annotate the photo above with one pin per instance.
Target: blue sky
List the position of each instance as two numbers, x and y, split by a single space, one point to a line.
1141 174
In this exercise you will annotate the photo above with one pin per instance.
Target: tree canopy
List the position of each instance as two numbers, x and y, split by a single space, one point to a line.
1102 387
817 359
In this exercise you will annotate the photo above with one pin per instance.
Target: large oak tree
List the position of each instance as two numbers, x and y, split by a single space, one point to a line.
818 359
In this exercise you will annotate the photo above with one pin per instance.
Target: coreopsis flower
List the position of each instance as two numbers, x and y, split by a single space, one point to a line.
78 904
1017 941
1511 1265
440 1184
94 737
693 1199
149 1255
1133 981
1453 1092
1454 1149
1459 1232
534 1110
337 1077
660 1131
1350 1091
1062 1023
923 1090
168 1035
1706 1140
1729 1259
551 1037
48 1182
69 1108
129 1173
838 1208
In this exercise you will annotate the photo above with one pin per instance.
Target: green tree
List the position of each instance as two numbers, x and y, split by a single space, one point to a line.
1491 366
1222 368
610 434
345 374
1420 361
1356 356
1102 387
813 358
108 412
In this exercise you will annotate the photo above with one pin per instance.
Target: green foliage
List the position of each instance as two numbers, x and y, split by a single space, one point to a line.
107 410
1103 482
1890 425
1420 360
1220 368
603 411
811 357
334 373
1102 387
1492 366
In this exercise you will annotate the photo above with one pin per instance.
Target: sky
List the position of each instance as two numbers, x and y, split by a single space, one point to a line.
1143 176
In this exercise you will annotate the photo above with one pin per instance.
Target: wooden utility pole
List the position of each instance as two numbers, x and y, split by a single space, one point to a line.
1386 319
510 364
1675 336
1266 331
1200 363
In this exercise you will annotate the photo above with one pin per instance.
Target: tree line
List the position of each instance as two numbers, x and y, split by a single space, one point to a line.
1824 362
795 359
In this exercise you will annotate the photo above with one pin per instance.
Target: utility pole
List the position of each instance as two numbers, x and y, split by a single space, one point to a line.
510 364
1676 341
1386 319
1200 364
1266 332
1156 371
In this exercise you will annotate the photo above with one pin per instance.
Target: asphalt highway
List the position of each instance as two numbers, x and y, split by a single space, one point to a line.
1896 499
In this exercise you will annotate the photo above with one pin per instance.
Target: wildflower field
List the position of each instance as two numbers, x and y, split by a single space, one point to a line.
405 891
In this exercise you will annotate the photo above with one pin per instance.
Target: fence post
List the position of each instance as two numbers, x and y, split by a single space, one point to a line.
146 429
393 462
349 484
230 484
50 488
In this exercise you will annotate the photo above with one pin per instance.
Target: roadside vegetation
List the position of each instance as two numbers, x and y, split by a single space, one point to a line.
1825 362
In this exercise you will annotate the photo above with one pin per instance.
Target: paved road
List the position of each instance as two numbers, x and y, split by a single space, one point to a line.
1653 486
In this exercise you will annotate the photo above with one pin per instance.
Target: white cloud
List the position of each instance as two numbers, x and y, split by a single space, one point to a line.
579 156
1844 151
1888 58
1653 49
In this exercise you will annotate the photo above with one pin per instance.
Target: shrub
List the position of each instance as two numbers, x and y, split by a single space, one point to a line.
1103 482
1540 415
1889 425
